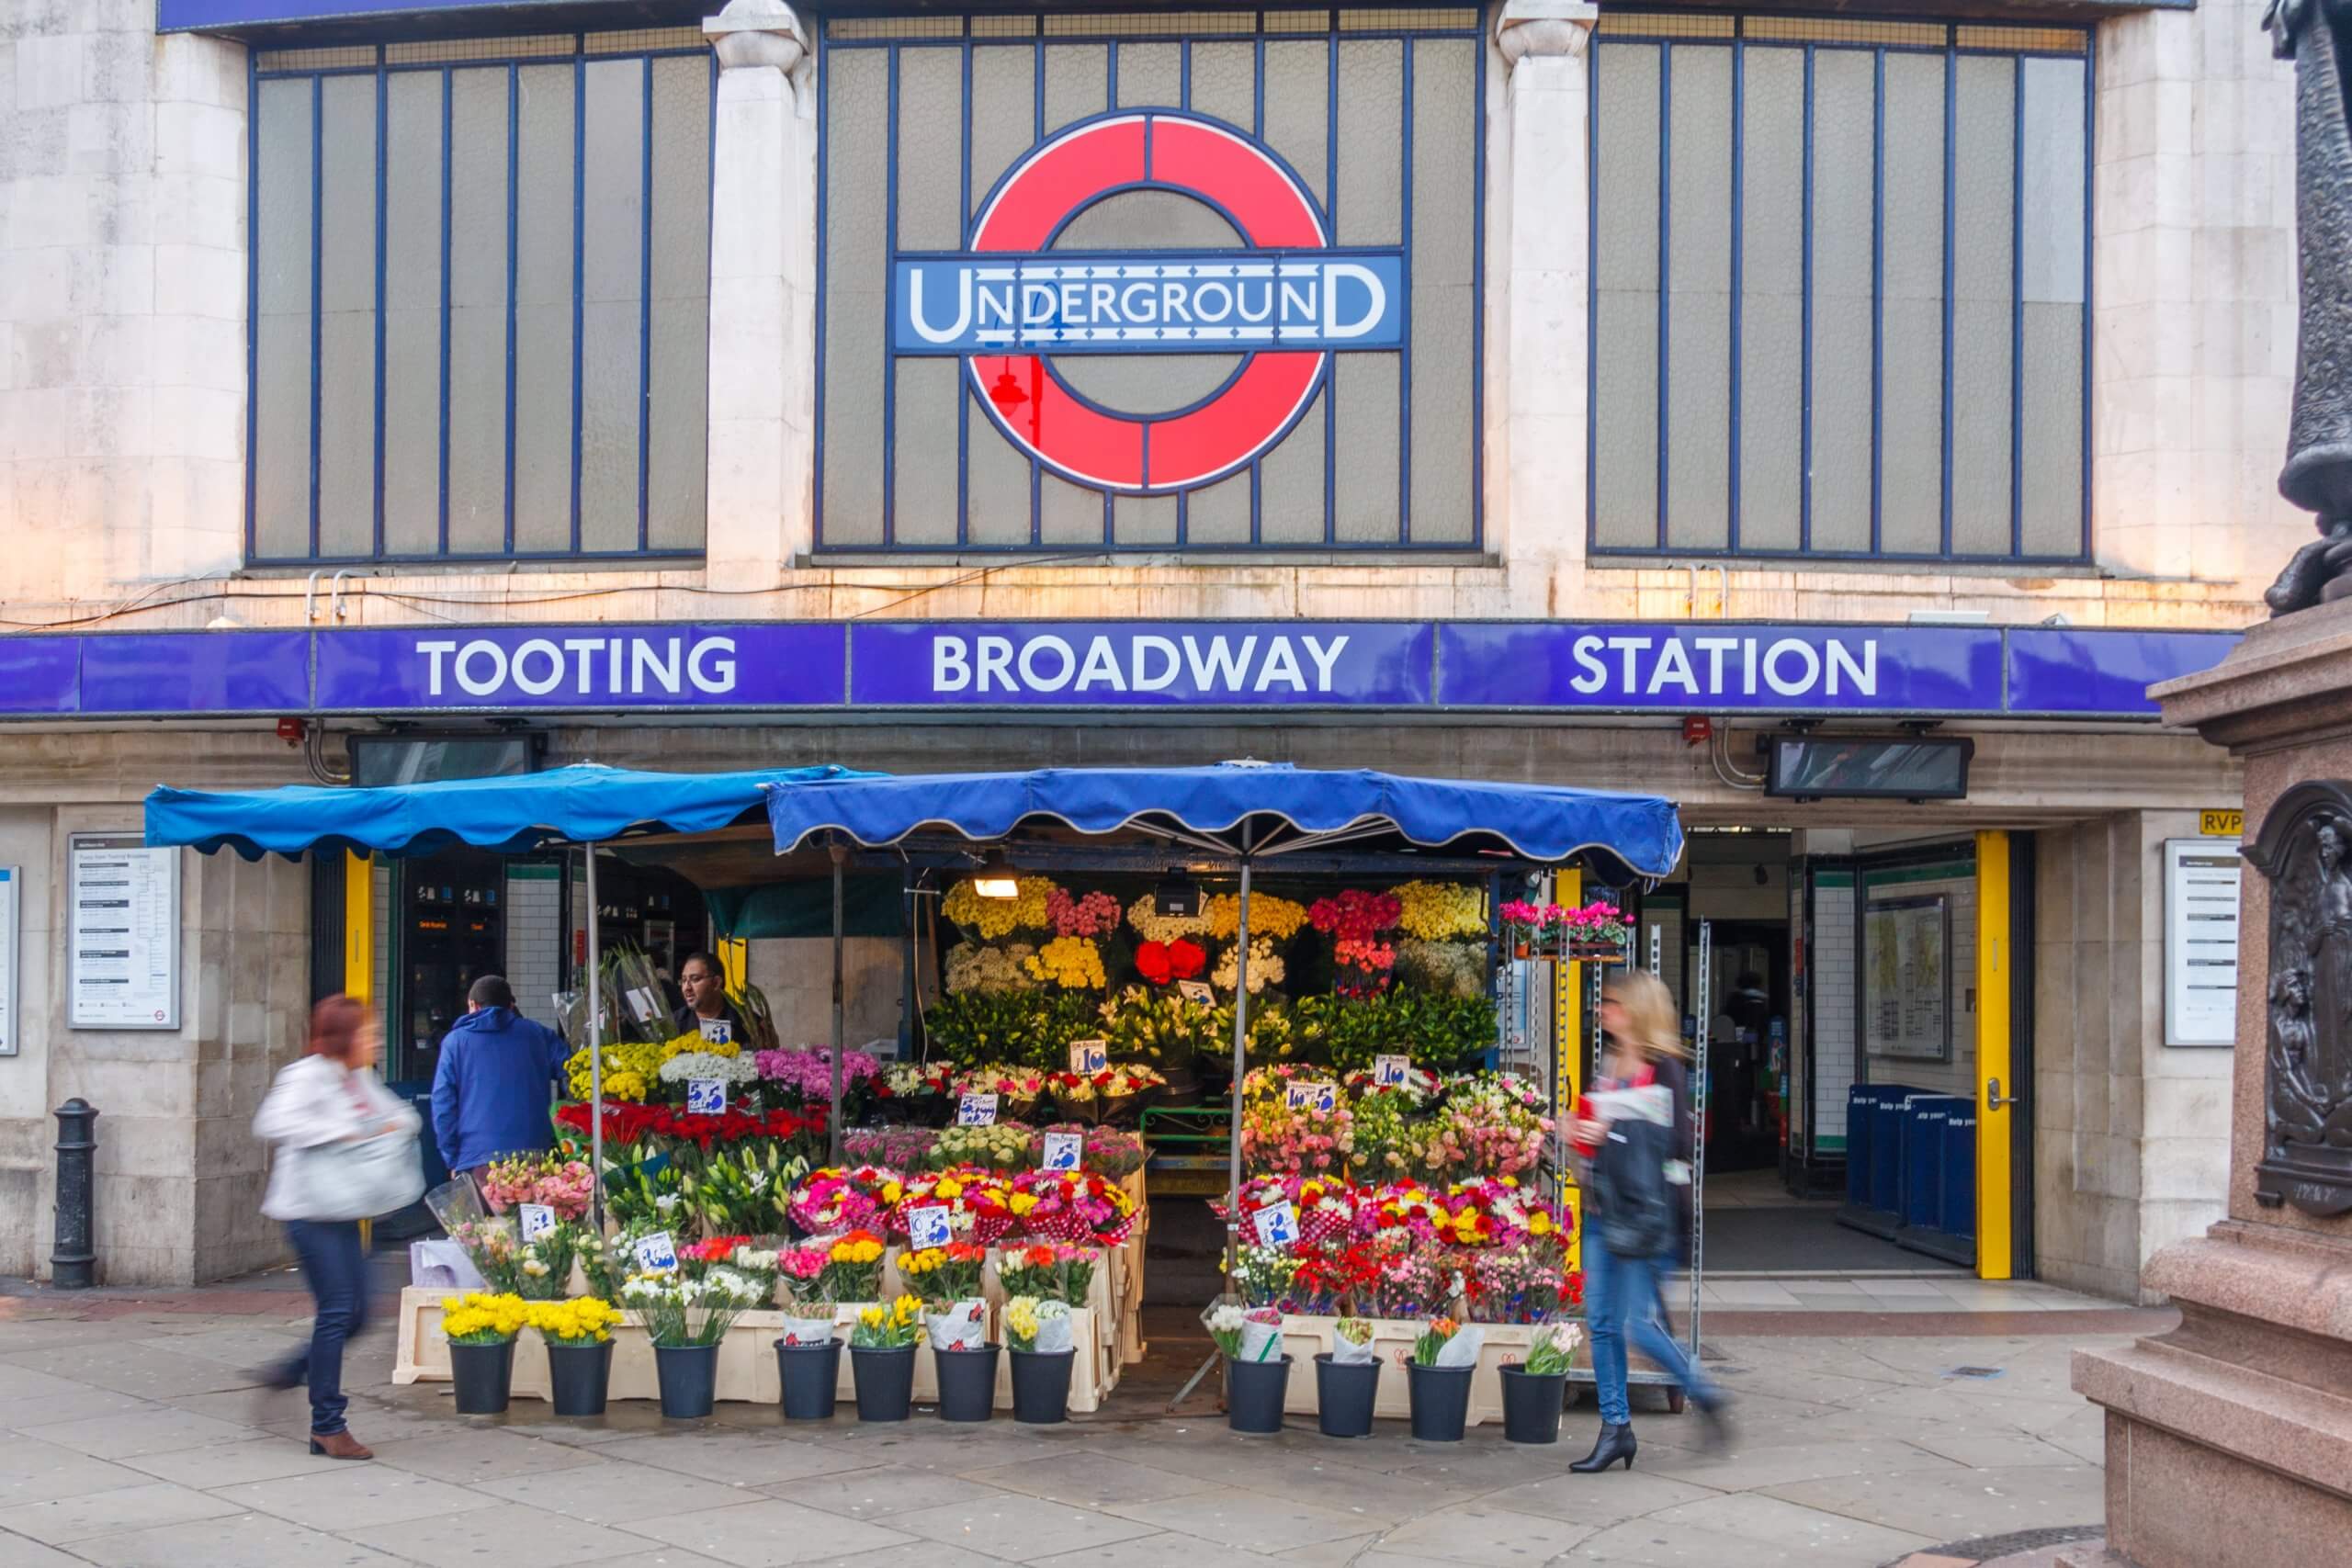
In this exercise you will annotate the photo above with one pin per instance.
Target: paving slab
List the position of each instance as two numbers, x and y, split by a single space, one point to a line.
728 1456
23 1551
64 1519
1250 1519
1953 1505
231 1464
152 1429
1169 1549
467 1454
1480 1534
507 1534
238 1540
608 1493
882 1489
355 1496
768 1532
1021 1530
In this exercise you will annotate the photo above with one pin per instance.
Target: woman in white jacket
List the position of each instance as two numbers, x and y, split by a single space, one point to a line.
330 1095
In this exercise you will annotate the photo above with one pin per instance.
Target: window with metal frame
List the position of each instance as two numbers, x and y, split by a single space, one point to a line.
1372 119
479 300
1841 288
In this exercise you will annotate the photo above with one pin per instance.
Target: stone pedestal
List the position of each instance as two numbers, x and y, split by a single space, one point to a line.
2229 1439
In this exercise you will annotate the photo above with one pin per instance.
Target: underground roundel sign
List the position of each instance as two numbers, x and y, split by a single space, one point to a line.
1286 301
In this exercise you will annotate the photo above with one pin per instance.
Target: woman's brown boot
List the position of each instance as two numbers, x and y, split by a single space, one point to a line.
339 1445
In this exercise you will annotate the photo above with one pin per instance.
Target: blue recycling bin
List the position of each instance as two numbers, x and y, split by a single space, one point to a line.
1956 1207
1924 1116
1863 1103
1886 1154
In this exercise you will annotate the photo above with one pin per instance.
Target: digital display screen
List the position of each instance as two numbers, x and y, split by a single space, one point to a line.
1852 767
420 759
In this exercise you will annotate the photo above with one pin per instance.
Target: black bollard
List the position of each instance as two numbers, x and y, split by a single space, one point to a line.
74 1265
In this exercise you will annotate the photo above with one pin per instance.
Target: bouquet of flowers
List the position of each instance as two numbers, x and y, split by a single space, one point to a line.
891 1327
801 1271
735 1071
1386 1143
977 1203
1446 968
900 1148
1160 1027
743 1189
940 1275
1107 1151
1072 962
1073 1206
1031 1270
583 1320
1278 1136
1223 1318
1275 916
1335 1277
475 1318
1266 967
678 1310
563 1184
1260 1338
1363 966
805 1075
1355 914
543 1265
1554 1349
988 967
852 1271
1430 1346
1263 1275
1436 910
1117 1091
1351 1341
1096 914
1003 1145
1522 1284
837 1199
1039 1326
917 1091
1017 1090
495 1249
1483 1129
1419 1089
1165 963
994 918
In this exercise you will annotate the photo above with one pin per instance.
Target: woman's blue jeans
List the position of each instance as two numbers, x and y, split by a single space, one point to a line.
1621 1302
336 1266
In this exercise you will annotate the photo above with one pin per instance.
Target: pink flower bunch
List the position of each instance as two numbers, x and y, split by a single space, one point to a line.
1356 913
1276 1137
562 1185
809 1072
801 1263
1483 1134
1373 958
1091 916
829 1202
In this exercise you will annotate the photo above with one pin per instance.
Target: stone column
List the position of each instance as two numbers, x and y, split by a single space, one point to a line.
2243 1414
1543 43
763 295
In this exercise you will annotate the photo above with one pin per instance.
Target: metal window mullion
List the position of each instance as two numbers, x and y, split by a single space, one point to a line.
1738 276
2017 307
1664 266
1805 312
514 204
318 162
1878 289
889 360
383 161
579 275
645 319
1951 246
1405 355
441 485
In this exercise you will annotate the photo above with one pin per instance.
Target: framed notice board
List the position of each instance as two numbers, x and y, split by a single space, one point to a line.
1906 977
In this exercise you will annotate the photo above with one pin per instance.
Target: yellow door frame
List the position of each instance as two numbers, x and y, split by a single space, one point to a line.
358 928
1994 961
1567 1062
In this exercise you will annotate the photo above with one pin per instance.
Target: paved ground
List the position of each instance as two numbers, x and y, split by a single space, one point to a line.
135 1437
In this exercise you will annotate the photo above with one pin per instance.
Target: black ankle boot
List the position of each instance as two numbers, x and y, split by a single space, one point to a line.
1613 1444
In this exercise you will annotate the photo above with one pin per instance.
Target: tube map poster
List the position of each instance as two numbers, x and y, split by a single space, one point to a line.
1905 954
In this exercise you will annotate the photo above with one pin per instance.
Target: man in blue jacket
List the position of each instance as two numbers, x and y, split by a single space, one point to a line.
492 1091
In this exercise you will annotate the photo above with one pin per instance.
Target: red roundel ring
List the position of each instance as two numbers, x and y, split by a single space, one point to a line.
1149 453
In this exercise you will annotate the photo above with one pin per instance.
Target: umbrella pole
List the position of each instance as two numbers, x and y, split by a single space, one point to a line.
595 1050
1240 1066
834 1122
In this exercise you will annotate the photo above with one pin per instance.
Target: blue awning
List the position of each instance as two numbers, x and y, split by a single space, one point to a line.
1269 809
512 813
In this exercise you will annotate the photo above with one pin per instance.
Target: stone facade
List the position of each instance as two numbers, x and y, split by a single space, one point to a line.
123 415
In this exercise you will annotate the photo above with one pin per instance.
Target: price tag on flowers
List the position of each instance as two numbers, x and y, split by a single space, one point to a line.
657 1253
536 1219
642 1003
928 1226
1199 991
1088 1056
1064 1150
1388 1072
1320 1098
706 1097
976 1110
1277 1225
717 1030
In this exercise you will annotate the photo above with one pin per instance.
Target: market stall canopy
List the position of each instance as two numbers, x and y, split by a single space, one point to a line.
513 814
1265 809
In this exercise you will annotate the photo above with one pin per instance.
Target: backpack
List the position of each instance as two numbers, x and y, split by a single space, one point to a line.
1637 1206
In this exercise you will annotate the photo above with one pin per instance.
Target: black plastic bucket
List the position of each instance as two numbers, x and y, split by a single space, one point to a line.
483 1373
886 1382
1345 1392
1254 1393
1440 1402
1041 1386
811 1374
689 1378
578 1376
967 1383
1531 1405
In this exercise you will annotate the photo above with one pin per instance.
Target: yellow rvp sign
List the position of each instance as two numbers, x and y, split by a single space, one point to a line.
2221 824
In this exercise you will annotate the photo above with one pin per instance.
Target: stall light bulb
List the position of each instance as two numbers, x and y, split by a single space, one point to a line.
997 886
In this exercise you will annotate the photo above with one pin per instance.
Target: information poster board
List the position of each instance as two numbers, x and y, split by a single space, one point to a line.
123 928
1906 976
12 882
2201 941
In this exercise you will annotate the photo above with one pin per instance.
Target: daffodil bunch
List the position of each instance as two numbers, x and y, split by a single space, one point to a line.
478 1319
889 1327
1021 1323
583 1320
1073 963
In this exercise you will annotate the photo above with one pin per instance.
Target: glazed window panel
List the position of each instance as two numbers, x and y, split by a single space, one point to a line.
1838 289
481 293
1205 440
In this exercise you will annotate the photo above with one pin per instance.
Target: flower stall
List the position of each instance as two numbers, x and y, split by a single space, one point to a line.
736 1204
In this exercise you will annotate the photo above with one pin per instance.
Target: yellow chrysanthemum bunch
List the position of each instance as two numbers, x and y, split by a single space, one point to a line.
584 1320
864 1249
678 1046
1073 963
999 917
629 1066
1268 915
478 1319
1435 910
